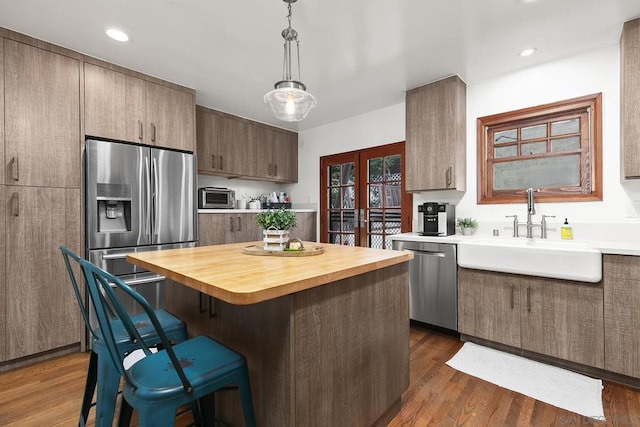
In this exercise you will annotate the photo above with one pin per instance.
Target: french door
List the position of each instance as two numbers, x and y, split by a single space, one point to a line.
363 198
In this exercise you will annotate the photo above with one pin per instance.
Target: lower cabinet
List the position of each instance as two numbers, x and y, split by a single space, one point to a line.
556 318
221 228
3 282
622 314
41 311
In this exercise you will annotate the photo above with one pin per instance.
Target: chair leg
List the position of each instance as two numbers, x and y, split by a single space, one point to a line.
244 388
126 411
208 409
156 416
108 384
89 388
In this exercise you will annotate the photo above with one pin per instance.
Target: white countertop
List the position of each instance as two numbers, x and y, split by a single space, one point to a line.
227 211
612 247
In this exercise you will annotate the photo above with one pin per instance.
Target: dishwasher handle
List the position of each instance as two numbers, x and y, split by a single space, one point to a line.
429 253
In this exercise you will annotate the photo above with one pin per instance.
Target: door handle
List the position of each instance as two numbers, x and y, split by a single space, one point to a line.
239 225
153 132
16 204
212 307
140 130
529 299
512 296
231 228
15 169
201 302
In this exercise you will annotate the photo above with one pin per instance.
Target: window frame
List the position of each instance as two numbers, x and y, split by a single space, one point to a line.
590 188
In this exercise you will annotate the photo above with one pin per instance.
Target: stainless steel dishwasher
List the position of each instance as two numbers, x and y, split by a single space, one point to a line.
433 283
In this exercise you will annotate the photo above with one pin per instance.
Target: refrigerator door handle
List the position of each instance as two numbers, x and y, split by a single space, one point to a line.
147 197
154 195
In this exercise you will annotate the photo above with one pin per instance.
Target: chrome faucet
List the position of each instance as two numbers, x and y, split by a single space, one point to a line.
531 210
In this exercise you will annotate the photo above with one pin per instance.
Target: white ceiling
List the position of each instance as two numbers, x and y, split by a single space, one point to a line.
356 55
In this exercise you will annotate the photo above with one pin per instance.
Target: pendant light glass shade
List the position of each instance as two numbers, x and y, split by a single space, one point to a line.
290 101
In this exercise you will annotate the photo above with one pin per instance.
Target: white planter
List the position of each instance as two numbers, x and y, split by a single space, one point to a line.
275 240
467 231
254 204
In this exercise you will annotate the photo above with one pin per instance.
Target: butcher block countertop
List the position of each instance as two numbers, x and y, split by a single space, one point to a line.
224 272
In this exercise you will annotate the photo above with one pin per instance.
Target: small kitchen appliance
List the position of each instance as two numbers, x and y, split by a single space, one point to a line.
438 219
216 198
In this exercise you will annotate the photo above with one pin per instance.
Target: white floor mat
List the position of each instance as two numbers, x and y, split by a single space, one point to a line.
555 386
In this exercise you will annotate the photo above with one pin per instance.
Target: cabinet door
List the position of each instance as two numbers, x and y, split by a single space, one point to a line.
621 314
630 98
436 136
44 313
264 141
3 282
207 142
489 306
170 117
250 232
563 319
113 104
42 117
285 157
234 146
212 229
306 229
2 169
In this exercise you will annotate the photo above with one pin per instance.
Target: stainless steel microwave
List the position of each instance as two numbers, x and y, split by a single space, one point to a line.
216 198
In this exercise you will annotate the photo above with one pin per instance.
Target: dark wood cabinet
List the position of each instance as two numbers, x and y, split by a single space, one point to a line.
127 108
436 136
558 318
235 147
621 314
630 99
41 117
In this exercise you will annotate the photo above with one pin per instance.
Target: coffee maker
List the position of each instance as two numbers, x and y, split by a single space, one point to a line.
438 219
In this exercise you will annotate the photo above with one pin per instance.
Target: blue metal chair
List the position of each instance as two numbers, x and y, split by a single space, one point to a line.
101 369
186 373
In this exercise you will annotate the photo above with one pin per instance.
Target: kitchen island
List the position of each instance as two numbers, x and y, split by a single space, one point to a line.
326 337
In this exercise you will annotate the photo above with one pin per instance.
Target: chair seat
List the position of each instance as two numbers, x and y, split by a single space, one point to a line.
201 358
170 324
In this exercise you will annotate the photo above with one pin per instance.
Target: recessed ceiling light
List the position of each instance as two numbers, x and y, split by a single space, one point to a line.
116 34
528 52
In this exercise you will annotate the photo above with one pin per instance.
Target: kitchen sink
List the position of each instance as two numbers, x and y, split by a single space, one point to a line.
567 260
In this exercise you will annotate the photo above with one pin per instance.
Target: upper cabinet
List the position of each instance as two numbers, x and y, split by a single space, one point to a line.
436 136
127 108
235 147
41 117
630 99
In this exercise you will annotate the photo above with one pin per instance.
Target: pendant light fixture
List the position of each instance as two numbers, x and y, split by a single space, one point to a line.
290 100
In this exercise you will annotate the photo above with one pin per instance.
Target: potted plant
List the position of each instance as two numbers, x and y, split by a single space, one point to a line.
276 225
467 225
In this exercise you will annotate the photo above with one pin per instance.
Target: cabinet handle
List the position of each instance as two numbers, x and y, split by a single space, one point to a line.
529 299
275 169
15 169
213 161
269 168
220 162
231 224
140 130
512 295
201 303
212 307
448 176
16 204
153 132
239 225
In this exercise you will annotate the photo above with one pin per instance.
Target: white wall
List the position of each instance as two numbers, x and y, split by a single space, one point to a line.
588 73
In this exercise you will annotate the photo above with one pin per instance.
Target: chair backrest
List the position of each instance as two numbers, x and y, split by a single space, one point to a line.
102 295
68 254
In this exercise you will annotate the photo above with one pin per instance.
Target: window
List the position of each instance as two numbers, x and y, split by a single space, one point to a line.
554 147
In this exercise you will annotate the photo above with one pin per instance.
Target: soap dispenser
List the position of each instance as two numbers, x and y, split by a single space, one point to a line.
566 233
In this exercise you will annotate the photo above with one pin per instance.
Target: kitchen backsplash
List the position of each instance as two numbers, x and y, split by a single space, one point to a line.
243 187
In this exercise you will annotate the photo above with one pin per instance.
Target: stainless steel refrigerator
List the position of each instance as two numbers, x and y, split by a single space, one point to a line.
137 199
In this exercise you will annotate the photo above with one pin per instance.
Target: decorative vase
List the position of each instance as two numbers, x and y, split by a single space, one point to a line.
467 231
274 239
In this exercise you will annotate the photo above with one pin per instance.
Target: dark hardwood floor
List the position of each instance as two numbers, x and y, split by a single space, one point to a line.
49 394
